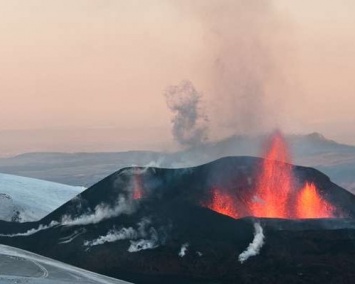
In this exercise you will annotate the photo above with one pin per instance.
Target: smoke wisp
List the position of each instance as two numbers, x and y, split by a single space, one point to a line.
33 231
150 243
113 236
183 249
189 122
255 246
144 237
102 212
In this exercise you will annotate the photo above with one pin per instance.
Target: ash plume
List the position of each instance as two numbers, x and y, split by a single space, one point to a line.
189 122
255 246
245 48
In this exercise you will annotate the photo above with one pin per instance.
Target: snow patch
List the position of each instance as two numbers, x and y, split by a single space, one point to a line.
25 199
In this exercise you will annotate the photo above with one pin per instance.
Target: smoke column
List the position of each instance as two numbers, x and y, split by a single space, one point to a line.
189 122
245 42
255 246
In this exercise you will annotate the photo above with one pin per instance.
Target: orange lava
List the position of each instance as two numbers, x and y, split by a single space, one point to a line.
223 203
311 205
275 194
274 182
137 187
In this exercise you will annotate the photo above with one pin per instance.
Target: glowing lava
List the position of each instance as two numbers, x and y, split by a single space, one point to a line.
137 186
274 182
275 195
311 205
223 203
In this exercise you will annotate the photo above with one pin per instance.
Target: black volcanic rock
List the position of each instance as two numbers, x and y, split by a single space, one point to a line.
295 251
236 175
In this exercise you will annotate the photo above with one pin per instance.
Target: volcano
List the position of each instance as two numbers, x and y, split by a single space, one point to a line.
197 225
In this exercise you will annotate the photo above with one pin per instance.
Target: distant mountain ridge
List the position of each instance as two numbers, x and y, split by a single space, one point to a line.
84 169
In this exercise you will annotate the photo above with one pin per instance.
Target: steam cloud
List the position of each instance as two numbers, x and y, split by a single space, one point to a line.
123 234
113 236
255 246
189 123
143 238
141 169
143 244
183 249
32 231
102 212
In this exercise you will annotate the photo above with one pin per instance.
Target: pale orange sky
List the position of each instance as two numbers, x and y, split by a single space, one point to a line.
101 63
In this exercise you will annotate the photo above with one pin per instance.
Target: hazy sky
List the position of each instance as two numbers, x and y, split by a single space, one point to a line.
104 64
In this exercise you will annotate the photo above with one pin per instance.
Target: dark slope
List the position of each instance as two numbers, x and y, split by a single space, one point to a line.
236 175
295 251
190 185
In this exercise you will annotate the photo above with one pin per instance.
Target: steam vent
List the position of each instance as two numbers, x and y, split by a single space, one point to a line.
234 220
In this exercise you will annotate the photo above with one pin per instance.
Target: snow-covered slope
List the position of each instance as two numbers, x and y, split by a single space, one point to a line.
26 199
20 266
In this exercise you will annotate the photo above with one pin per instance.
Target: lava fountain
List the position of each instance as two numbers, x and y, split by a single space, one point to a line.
275 194
274 183
223 203
311 205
